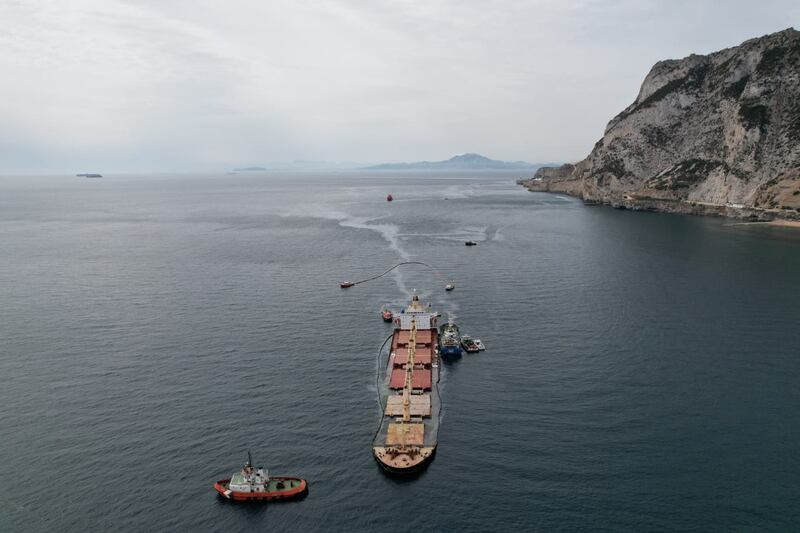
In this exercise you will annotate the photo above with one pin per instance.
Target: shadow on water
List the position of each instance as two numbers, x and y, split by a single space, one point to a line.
451 360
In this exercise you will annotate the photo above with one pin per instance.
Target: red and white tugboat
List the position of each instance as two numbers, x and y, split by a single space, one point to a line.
387 315
256 484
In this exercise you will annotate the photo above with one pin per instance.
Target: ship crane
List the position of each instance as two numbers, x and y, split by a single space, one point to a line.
408 385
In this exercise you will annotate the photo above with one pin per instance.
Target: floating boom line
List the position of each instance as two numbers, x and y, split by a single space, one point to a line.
346 284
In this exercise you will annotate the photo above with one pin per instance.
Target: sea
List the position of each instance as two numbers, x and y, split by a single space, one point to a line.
642 371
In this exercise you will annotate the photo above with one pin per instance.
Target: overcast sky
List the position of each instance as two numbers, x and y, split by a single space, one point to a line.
110 85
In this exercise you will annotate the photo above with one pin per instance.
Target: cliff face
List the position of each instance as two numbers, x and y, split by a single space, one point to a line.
705 133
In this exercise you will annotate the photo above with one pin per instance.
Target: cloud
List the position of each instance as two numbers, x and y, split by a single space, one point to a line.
157 85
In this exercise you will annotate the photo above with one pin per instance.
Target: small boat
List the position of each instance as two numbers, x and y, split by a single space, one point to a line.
254 483
389 198
468 344
89 175
346 284
387 315
470 243
449 287
479 344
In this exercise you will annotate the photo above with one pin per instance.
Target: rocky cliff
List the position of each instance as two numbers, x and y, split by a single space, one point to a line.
714 134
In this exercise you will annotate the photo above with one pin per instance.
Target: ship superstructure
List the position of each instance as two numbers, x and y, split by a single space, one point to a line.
407 437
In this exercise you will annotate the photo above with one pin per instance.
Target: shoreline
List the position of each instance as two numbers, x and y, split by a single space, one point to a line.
782 223
632 202
774 223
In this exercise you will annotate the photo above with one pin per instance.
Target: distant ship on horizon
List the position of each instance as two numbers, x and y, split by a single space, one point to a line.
89 175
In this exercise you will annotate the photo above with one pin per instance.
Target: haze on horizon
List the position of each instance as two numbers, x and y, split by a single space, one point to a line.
114 85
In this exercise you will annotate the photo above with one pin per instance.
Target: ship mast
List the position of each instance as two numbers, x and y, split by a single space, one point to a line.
412 348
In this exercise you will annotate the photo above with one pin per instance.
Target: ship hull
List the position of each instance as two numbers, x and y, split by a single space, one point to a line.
450 351
415 468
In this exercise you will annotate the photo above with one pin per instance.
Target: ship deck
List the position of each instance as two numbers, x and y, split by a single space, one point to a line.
420 435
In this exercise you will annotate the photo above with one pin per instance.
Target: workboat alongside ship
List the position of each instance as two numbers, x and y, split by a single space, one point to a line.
470 346
450 340
407 437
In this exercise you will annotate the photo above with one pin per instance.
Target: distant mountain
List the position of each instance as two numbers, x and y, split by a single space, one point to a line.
459 162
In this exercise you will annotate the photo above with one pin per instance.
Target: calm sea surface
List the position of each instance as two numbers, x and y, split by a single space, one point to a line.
642 370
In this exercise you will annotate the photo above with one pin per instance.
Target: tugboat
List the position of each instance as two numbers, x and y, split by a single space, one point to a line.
449 340
449 287
346 284
387 315
470 346
470 243
255 484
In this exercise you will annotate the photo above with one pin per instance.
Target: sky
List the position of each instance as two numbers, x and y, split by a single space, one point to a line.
200 85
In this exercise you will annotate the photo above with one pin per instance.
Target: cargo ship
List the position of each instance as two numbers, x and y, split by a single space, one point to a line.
407 437
450 340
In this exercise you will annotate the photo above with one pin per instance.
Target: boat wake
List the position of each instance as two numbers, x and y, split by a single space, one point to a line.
389 232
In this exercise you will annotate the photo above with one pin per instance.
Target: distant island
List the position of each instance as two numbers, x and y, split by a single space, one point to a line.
250 169
459 162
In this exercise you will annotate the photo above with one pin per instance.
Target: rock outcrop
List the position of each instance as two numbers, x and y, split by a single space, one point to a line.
716 134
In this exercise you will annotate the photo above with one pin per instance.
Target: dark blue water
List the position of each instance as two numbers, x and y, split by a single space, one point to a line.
642 370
